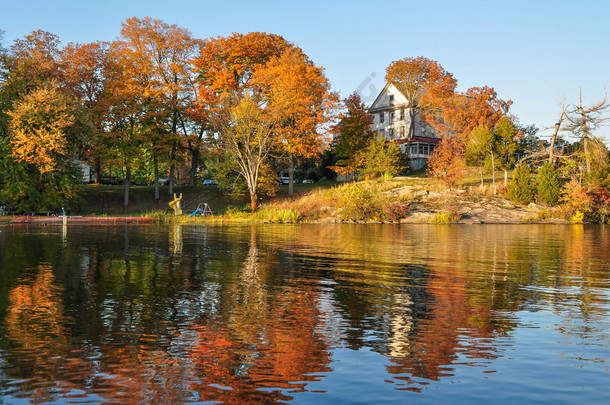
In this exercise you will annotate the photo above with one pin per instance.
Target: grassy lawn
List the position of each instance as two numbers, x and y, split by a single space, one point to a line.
108 200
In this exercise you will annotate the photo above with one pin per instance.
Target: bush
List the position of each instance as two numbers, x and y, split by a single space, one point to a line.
360 203
519 188
393 212
548 184
449 213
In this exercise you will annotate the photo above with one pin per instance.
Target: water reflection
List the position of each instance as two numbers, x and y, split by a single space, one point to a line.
256 313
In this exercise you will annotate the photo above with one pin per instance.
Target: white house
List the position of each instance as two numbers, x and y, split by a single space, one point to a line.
390 112
86 170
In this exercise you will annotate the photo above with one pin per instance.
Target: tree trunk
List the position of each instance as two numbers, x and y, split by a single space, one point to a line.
98 170
505 177
253 201
194 165
156 167
291 176
552 147
481 172
172 168
587 154
493 171
127 183
411 132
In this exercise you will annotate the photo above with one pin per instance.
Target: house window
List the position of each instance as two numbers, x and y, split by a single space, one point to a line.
402 132
381 118
402 114
413 150
391 134
423 149
391 117
391 99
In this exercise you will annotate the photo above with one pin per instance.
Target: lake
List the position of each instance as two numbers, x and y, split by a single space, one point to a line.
305 314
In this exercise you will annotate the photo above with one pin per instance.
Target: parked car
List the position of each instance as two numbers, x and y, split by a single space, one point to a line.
164 182
307 181
209 182
284 180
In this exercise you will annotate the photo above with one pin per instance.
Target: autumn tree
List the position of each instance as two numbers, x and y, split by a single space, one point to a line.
37 156
297 95
246 133
123 118
351 135
447 161
423 82
461 113
224 68
157 57
84 69
226 64
31 62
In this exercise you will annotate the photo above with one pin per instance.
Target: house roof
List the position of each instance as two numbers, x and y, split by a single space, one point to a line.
375 105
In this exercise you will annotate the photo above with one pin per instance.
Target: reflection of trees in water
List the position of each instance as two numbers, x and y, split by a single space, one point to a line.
265 338
473 277
135 312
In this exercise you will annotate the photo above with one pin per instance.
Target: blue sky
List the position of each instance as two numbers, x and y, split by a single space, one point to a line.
538 53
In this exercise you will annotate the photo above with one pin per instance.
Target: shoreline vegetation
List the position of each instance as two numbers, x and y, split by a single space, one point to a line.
412 200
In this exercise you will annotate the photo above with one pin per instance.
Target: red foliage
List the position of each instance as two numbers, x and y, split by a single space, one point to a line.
447 161
460 114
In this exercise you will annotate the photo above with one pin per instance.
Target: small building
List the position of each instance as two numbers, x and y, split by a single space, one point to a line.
391 117
87 171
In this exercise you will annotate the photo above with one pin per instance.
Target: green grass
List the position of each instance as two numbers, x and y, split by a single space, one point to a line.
108 200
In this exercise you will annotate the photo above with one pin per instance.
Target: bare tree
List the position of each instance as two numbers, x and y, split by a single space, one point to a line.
582 121
557 127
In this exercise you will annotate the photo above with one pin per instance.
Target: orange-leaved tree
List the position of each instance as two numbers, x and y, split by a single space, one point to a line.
461 113
447 161
298 97
158 56
423 82
84 75
224 69
226 64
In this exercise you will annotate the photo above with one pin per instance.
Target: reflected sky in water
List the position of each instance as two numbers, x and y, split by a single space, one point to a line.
304 314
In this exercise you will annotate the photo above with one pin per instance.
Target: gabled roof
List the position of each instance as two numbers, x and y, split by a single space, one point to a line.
377 99
376 104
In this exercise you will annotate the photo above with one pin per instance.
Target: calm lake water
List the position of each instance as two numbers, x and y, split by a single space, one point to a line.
339 314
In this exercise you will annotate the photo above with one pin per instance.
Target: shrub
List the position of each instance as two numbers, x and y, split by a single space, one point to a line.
395 211
449 213
359 203
519 188
548 184
577 196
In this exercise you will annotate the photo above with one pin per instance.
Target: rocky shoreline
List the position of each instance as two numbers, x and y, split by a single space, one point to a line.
466 206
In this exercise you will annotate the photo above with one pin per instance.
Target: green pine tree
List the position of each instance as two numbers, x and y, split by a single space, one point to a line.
519 188
548 184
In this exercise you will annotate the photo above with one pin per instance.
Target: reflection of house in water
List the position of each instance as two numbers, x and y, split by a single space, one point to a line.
391 119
